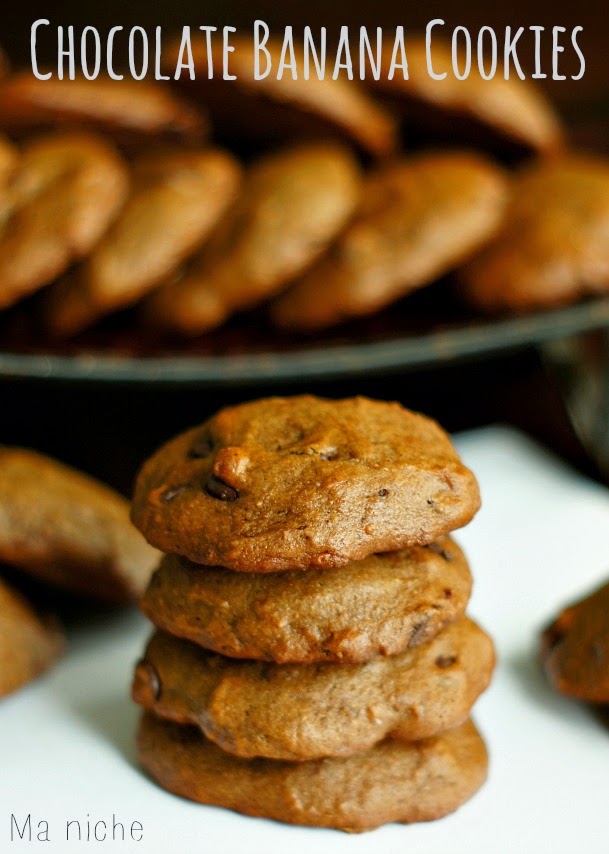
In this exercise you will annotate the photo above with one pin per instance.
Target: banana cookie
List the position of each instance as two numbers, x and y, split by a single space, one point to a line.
274 110
127 109
302 712
510 116
67 529
176 198
64 192
303 482
394 781
575 649
379 605
292 205
29 643
419 219
553 245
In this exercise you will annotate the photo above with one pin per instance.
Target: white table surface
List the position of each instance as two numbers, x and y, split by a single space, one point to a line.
67 741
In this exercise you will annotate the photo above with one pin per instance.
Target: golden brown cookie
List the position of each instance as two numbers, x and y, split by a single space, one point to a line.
29 643
124 108
64 193
66 528
575 649
553 247
308 711
176 199
419 219
394 781
272 110
379 605
512 116
303 482
291 207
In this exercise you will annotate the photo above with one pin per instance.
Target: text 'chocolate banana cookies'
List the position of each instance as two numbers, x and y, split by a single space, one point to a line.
313 661
303 482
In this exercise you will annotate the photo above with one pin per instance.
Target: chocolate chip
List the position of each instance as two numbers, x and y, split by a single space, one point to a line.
418 633
431 502
448 594
147 672
445 661
330 454
437 549
220 490
383 492
172 492
202 447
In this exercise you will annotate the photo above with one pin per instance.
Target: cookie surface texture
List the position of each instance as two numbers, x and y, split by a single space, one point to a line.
303 712
295 483
379 605
393 782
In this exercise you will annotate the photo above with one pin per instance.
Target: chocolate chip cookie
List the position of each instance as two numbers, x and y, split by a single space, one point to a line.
379 605
420 218
29 642
271 110
553 246
67 529
301 712
575 649
176 199
510 116
303 482
292 205
394 781
64 193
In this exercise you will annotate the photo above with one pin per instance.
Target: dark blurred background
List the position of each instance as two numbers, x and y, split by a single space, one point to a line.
108 430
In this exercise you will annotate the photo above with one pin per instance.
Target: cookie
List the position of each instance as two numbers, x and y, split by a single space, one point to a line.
127 109
552 248
575 649
510 116
176 199
67 529
274 111
303 482
29 644
419 219
308 711
292 205
379 605
394 781
64 193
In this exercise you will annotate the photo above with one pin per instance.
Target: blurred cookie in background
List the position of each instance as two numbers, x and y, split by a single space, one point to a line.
292 205
419 218
272 111
30 643
65 528
553 245
176 199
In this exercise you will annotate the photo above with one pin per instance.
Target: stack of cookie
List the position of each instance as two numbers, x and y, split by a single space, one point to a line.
312 662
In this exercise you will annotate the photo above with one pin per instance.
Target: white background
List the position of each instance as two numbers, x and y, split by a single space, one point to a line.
67 742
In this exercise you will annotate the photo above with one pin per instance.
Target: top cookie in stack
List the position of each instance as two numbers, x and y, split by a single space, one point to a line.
320 651
302 482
